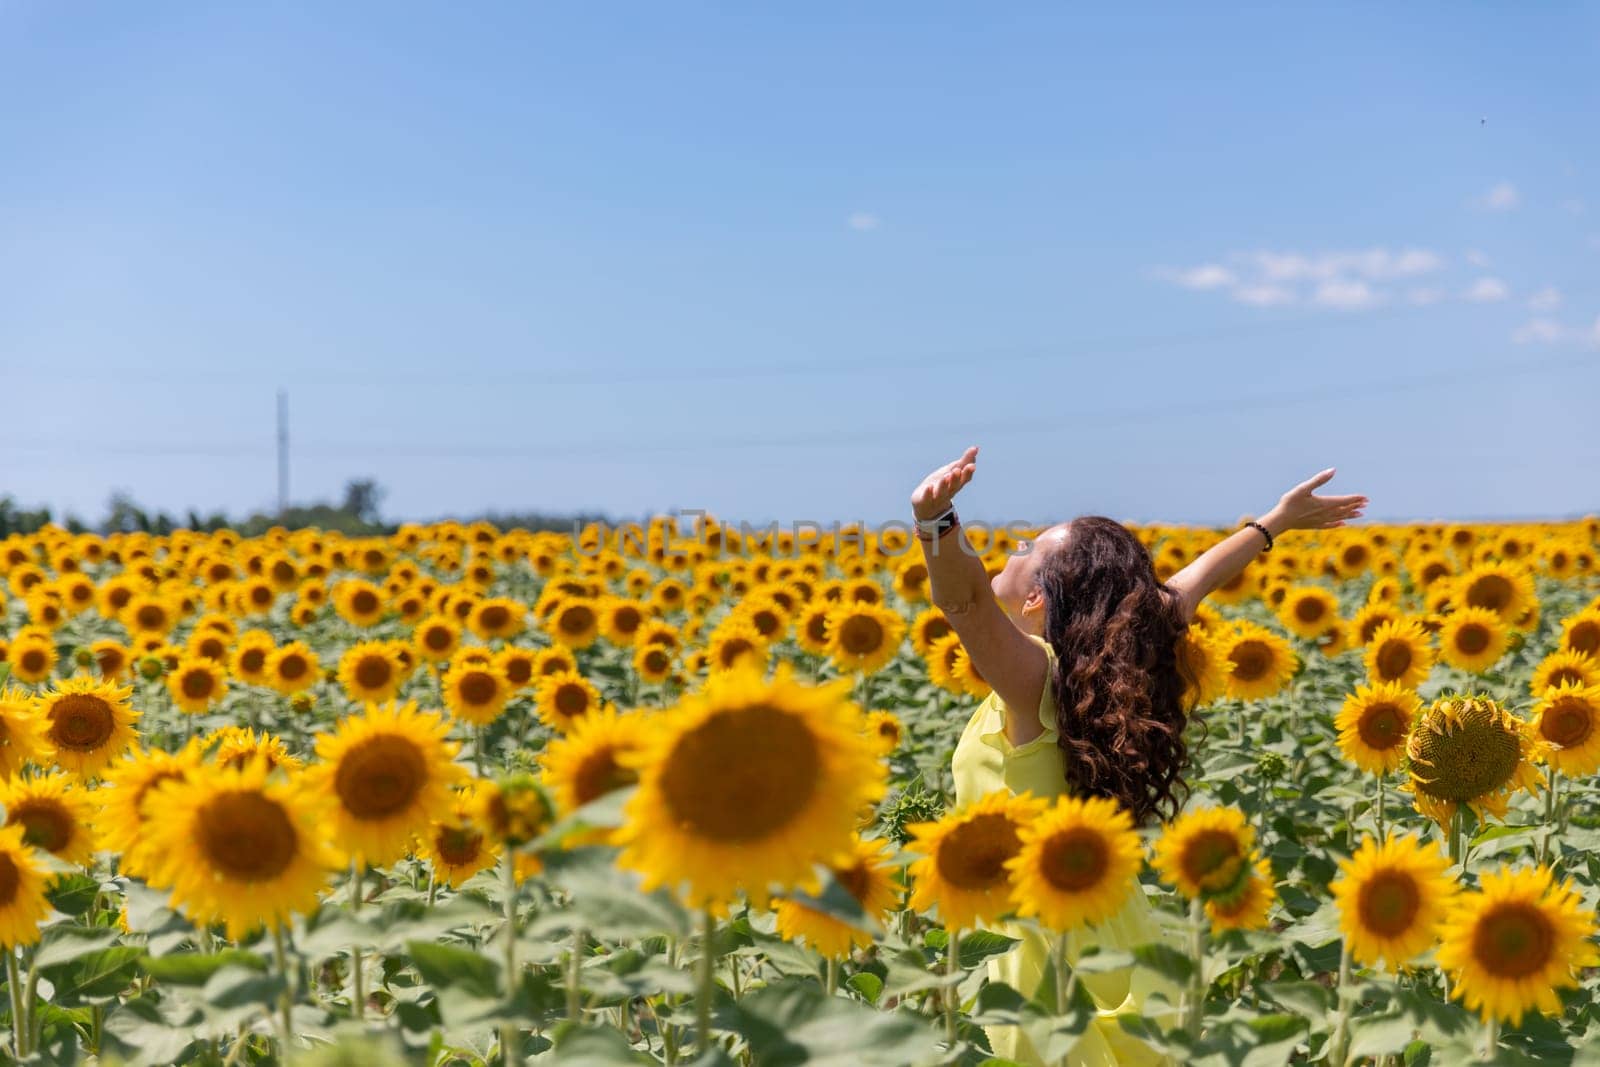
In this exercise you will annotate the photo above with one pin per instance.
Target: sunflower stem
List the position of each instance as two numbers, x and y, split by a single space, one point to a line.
952 963
19 1045
286 997
510 1039
833 976
574 964
358 993
1197 950
1491 1037
477 749
1381 777
1341 1033
707 981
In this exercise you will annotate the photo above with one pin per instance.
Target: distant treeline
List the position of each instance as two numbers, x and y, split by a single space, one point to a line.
357 514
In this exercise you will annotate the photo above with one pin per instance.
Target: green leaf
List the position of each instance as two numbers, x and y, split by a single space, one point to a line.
1306 998
94 975
73 894
1165 961
447 967
594 1046
143 1031
794 1022
869 985
979 945
62 944
187 968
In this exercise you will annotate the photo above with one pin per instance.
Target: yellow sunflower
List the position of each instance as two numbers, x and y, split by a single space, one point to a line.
1503 588
386 775
1248 907
1078 862
293 668
1581 633
564 699
359 602
475 692
864 636
1205 853
1400 653
498 618
593 757
23 906
1393 897
575 622
1207 665
966 675
962 868
941 661
1374 723
251 655
436 638
556 659
87 723
929 625
1308 610
112 659
32 658
1472 639
748 784
811 627
620 620
196 684
1260 663
1509 946
238 848
55 815
866 873
735 644
1568 720
1564 667
515 666
239 745
149 613
1469 750
884 727
371 673
1366 623
652 662
119 823
21 733
455 845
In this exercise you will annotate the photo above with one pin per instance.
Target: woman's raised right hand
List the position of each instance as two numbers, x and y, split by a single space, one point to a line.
938 489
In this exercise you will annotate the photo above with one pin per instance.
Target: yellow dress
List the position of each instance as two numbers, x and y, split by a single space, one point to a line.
985 761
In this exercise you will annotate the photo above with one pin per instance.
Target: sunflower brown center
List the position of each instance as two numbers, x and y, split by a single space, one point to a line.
45 823
477 688
1393 660
494 617
211 648
1476 756
860 635
600 774
374 672
380 776
150 617
1309 609
742 775
33 660
251 660
519 670
571 700
110 662
437 638
1389 903
817 626
458 846
1565 676
1251 660
1212 858
1075 860
974 854
261 595
1513 940
577 619
197 685
1490 591
246 836
364 602
1585 637
292 666
656 661
1382 726
733 648
10 880
1567 722
1472 638
81 722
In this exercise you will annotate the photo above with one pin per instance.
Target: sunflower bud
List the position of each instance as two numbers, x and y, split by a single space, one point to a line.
303 702
1271 766
151 667
83 657
514 810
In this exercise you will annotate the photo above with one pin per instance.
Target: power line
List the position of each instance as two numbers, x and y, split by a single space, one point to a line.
689 443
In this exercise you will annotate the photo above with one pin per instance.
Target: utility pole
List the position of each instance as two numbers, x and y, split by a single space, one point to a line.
283 451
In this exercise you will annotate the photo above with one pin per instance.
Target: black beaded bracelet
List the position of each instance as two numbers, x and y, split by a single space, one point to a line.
1264 533
936 527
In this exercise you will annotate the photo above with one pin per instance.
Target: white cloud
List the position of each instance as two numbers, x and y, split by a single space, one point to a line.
1345 294
1546 299
1205 276
1486 291
1263 295
1373 264
863 220
1424 297
1539 331
1477 258
1502 196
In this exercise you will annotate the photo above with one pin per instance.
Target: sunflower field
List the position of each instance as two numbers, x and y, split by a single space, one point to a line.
681 793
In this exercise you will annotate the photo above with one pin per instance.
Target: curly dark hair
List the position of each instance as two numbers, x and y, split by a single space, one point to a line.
1120 677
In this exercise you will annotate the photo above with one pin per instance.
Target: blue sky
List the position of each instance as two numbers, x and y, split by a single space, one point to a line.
779 260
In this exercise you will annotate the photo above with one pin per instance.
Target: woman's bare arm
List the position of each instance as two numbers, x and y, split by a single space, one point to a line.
959 587
1298 509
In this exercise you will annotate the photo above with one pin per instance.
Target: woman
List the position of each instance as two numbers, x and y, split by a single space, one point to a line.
1080 641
